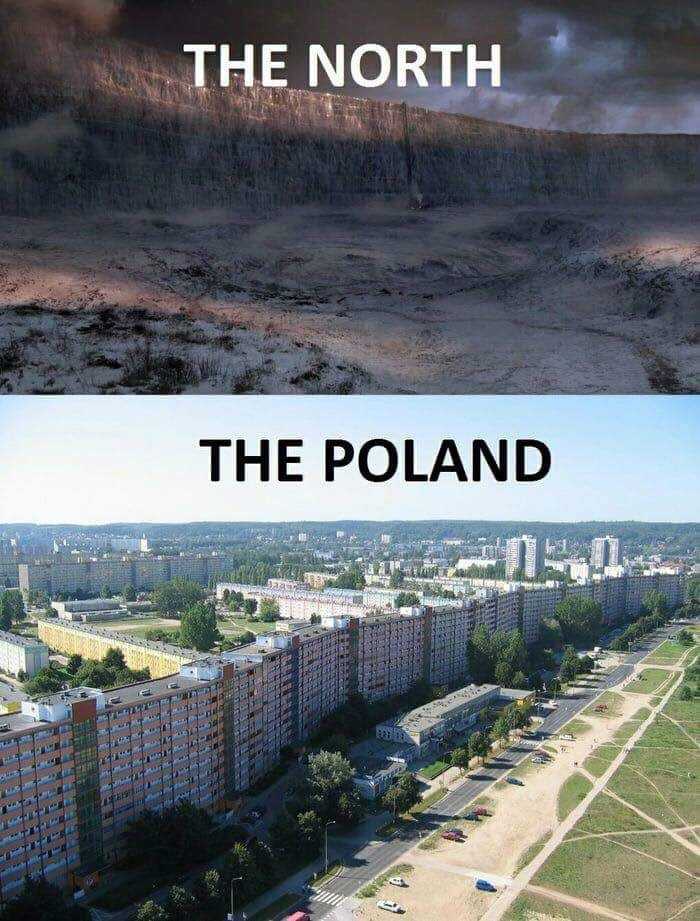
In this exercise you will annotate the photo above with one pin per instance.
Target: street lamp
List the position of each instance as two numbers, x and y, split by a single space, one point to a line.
330 822
234 879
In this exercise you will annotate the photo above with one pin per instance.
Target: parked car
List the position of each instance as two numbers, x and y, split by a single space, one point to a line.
456 831
485 886
516 781
451 836
472 816
298 916
393 907
398 881
481 810
538 759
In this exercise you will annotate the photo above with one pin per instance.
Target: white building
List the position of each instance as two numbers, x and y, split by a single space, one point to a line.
22 654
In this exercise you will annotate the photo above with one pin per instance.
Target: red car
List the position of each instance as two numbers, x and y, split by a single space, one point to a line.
481 810
451 836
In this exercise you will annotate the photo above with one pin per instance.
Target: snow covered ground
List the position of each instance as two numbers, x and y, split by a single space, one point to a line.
365 298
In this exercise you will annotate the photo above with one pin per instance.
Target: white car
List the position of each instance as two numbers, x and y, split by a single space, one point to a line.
398 881
390 906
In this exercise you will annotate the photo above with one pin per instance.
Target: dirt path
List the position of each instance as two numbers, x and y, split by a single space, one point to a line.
522 880
589 907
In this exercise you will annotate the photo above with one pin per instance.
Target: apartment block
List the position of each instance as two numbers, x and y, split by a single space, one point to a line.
161 659
390 653
524 553
606 551
92 576
21 654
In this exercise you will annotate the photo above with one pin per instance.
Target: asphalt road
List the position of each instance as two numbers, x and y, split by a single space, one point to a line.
372 858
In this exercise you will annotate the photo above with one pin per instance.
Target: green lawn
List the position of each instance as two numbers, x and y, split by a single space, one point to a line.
531 852
573 790
576 727
649 680
668 653
636 869
235 625
529 906
431 771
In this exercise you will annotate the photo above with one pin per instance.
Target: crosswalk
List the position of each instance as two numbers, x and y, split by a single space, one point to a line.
328 898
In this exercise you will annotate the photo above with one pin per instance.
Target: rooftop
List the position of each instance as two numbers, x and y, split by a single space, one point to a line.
17 640
425 717
115 635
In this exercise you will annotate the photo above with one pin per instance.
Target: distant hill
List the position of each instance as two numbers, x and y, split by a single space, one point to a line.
104 124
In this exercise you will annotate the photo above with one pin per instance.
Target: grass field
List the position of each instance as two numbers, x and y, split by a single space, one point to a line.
649 680
668 653
236 625
618 858
531 852
576 727
528 907
573 790
431 771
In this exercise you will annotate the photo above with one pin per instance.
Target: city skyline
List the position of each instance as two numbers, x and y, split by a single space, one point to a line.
141 461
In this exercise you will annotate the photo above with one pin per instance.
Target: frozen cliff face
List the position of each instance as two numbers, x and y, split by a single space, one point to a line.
102 124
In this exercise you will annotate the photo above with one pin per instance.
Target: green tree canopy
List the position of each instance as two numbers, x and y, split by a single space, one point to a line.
406 600
269 610
12 605
174 597
198 627
580 619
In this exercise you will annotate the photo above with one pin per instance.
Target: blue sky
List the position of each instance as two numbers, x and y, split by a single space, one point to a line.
99 459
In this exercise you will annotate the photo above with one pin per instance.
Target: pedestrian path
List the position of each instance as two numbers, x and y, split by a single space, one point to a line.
329 898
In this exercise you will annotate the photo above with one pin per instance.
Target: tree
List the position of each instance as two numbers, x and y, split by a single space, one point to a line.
686 692
351 578
198 627
40 901
234 600
569 664
654 604
129 593
178 595
402 794
74 663
269 610
250 606
151 911
480 655
5 620
328 775
114 658
580 619
45 681
460 758
406 600
106 591
685 637
181 904
208 887
479 745
501 730
396 579
12 605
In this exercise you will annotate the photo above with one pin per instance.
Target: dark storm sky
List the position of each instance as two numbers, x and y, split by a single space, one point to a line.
592 65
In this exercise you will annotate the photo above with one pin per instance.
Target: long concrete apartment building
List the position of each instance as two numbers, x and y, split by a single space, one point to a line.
209 730
92 576
90 642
